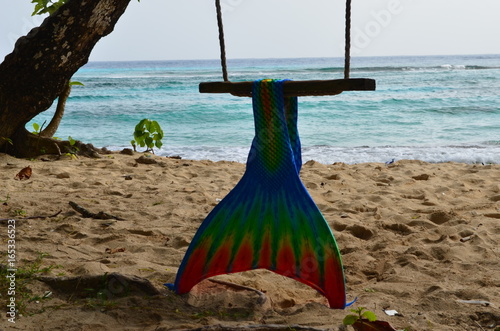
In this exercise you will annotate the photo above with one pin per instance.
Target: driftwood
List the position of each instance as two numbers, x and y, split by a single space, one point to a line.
87 214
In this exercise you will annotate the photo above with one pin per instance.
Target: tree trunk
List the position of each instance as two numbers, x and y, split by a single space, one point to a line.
42 63
51 129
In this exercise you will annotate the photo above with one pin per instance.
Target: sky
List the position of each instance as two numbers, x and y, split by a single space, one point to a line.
187 29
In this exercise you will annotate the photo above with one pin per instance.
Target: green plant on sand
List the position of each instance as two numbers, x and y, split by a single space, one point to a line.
361 313
365 320
148 134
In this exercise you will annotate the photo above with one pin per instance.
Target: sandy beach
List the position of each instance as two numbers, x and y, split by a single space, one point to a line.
418 238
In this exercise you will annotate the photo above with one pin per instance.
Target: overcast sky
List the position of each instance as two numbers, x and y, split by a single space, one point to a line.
187 29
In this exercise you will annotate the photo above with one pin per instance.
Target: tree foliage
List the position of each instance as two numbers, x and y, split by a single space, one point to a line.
46 6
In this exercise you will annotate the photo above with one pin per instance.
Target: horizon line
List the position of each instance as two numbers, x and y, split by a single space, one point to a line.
305 57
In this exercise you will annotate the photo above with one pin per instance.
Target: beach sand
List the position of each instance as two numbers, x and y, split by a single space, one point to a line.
418 238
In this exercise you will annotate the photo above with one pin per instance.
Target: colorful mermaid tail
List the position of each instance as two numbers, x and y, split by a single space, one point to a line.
268 220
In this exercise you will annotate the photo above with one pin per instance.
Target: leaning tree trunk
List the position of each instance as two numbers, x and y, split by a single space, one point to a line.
52 127
41 65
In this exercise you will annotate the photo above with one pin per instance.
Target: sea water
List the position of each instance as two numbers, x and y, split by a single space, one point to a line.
434 108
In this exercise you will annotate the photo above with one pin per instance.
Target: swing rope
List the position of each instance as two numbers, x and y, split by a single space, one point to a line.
291 88
221 41
347 63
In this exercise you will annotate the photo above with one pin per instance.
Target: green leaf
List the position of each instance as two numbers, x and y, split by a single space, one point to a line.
358 311
149 126
47 6
369 316
350 319
141 136
75 83
140 125
37 9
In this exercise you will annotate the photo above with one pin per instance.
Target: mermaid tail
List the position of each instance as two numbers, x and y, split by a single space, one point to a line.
268 220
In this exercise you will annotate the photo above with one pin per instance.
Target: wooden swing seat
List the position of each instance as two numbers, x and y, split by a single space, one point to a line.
294 88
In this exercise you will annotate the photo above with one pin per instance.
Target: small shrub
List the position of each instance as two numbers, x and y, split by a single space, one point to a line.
365 320
148 134
361 313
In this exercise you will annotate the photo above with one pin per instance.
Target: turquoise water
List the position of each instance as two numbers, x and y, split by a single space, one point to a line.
436 109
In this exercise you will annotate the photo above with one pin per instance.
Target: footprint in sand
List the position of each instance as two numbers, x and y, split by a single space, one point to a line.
360 232
399 228
440 252
421 177
440 217
180 242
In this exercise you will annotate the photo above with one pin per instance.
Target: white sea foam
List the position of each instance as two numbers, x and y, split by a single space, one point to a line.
332 154
453 66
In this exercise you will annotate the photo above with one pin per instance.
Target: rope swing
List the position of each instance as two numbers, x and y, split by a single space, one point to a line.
269 220
291 88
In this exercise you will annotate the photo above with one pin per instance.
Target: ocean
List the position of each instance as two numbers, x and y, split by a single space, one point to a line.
430 108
